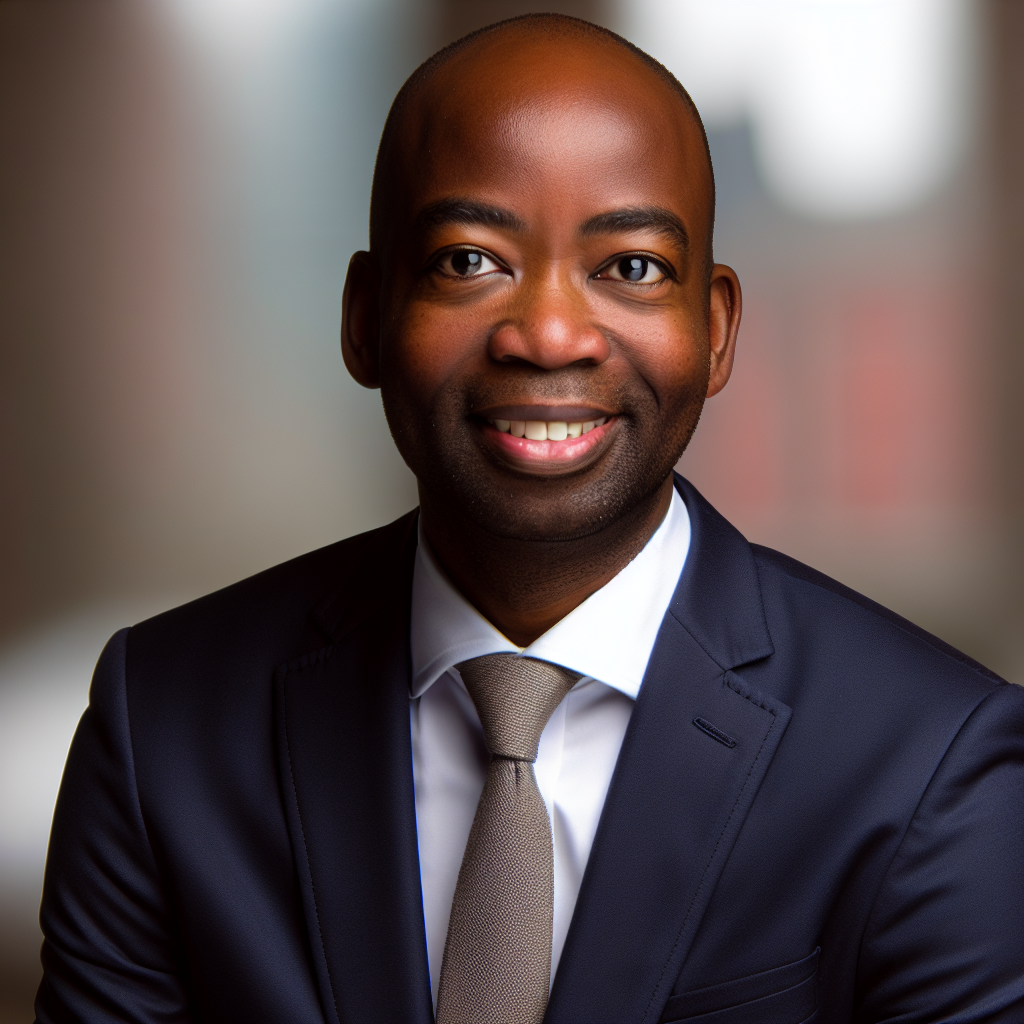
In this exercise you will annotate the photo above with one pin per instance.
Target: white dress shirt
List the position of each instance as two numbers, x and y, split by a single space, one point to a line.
608 639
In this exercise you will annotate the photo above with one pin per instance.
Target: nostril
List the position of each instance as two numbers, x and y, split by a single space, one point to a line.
509 358
549 346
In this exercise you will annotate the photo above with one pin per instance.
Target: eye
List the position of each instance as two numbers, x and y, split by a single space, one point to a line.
466 263
635 270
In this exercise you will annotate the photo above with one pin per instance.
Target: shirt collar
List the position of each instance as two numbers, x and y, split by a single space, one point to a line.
609 637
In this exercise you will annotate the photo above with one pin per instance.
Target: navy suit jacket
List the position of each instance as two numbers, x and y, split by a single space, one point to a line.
816 814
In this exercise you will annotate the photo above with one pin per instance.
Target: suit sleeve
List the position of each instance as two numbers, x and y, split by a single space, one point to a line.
108 951
945 939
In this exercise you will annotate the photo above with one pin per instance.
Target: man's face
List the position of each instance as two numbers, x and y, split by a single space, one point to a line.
544 348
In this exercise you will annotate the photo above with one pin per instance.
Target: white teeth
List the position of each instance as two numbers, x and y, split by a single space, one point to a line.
538 430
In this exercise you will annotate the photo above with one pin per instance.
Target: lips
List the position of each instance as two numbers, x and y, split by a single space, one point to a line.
554 439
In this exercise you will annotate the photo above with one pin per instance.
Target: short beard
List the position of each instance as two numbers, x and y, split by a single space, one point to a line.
464 480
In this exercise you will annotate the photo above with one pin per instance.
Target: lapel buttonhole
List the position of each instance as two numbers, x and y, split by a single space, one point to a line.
714 732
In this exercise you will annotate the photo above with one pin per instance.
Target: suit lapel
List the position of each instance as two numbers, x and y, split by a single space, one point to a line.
698 745
346 771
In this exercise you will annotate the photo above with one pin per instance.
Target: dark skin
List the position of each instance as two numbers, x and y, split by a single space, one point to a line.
544 259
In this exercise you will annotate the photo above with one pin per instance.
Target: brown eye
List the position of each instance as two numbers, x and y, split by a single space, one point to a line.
466 263
635 270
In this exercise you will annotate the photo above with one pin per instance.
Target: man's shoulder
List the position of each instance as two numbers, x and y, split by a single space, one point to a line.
807 636
281 612
816 619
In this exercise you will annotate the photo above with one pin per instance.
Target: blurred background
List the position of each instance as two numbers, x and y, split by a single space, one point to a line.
183 181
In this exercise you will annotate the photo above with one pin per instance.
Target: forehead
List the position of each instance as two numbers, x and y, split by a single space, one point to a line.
584 120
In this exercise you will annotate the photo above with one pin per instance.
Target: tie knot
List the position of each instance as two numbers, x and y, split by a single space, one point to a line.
514 698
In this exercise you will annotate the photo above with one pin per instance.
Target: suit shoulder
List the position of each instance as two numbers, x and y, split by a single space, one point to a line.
839 610
297 601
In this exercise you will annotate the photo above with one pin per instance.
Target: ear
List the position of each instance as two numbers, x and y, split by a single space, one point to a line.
726 302
360 320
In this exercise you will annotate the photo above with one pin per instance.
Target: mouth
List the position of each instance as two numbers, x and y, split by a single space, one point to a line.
547 439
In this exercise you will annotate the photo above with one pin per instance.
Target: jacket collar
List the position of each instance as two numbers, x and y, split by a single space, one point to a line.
342 718
379 565
718 600
699 742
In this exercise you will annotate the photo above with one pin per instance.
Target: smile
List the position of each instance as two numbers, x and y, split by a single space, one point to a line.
557 443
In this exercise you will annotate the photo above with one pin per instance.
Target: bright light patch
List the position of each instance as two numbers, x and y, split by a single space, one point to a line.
858 107
246 27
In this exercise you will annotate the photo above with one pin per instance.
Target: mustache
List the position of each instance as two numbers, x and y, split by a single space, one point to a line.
549 391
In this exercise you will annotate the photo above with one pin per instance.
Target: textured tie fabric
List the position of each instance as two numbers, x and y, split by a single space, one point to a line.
497 957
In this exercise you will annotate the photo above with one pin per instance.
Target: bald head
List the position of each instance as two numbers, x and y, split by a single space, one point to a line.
483 82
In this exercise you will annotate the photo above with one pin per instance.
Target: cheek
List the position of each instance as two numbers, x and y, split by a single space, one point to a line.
421 350
671 353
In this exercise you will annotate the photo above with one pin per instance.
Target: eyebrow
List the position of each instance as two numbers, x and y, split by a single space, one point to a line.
467 211
633 218
457 210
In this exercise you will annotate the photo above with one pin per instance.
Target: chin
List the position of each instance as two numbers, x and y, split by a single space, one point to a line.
550 509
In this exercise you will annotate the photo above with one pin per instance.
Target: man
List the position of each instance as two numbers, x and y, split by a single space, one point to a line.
564 746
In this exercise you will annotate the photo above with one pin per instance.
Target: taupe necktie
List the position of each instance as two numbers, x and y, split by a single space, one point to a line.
497 957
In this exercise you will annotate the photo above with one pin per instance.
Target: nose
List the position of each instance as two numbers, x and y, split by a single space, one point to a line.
550 325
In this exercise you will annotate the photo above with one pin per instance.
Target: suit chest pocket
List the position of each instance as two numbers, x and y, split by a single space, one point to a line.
783 995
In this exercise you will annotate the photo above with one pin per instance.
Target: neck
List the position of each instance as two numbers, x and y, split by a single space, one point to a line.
524 587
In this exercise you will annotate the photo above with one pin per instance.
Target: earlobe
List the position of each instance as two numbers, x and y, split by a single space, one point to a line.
726 307
360 320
